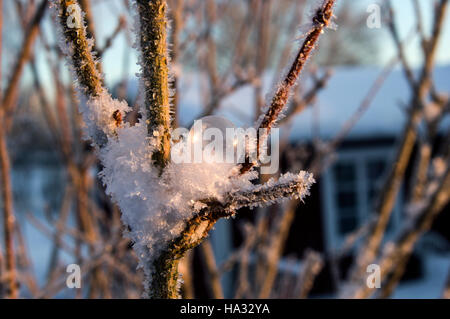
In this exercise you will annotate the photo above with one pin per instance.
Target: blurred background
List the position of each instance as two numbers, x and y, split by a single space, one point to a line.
370 119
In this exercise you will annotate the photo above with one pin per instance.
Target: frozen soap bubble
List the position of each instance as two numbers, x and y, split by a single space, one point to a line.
208 135
209 123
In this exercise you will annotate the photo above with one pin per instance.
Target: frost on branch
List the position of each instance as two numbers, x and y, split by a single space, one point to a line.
167 207
99 116
98 112
152 202
293 186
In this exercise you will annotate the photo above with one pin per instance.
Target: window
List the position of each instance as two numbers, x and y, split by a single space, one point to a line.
350 189
346 197
375 171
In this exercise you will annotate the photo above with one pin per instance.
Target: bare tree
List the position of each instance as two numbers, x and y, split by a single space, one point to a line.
105 127
165 209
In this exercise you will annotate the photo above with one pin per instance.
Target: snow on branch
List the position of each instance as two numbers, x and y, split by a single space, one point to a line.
164 268
168 208
288 186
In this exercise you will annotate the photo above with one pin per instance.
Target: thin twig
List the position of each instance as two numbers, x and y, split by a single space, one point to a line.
321 21
30 35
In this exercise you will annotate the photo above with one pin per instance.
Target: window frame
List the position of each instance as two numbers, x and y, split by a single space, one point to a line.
360 158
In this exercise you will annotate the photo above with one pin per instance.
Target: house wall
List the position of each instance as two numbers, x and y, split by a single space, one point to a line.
311 226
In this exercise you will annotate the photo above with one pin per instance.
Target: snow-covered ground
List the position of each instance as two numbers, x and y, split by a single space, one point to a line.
431 286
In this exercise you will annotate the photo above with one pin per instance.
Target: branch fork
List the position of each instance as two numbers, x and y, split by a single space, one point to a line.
104 114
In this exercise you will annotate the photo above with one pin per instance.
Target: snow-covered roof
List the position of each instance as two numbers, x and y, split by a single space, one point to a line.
336 103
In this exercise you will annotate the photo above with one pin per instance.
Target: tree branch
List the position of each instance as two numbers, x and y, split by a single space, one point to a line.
102 114
155 74
164 284
321 20
393 182
80 51
30 35
409 235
